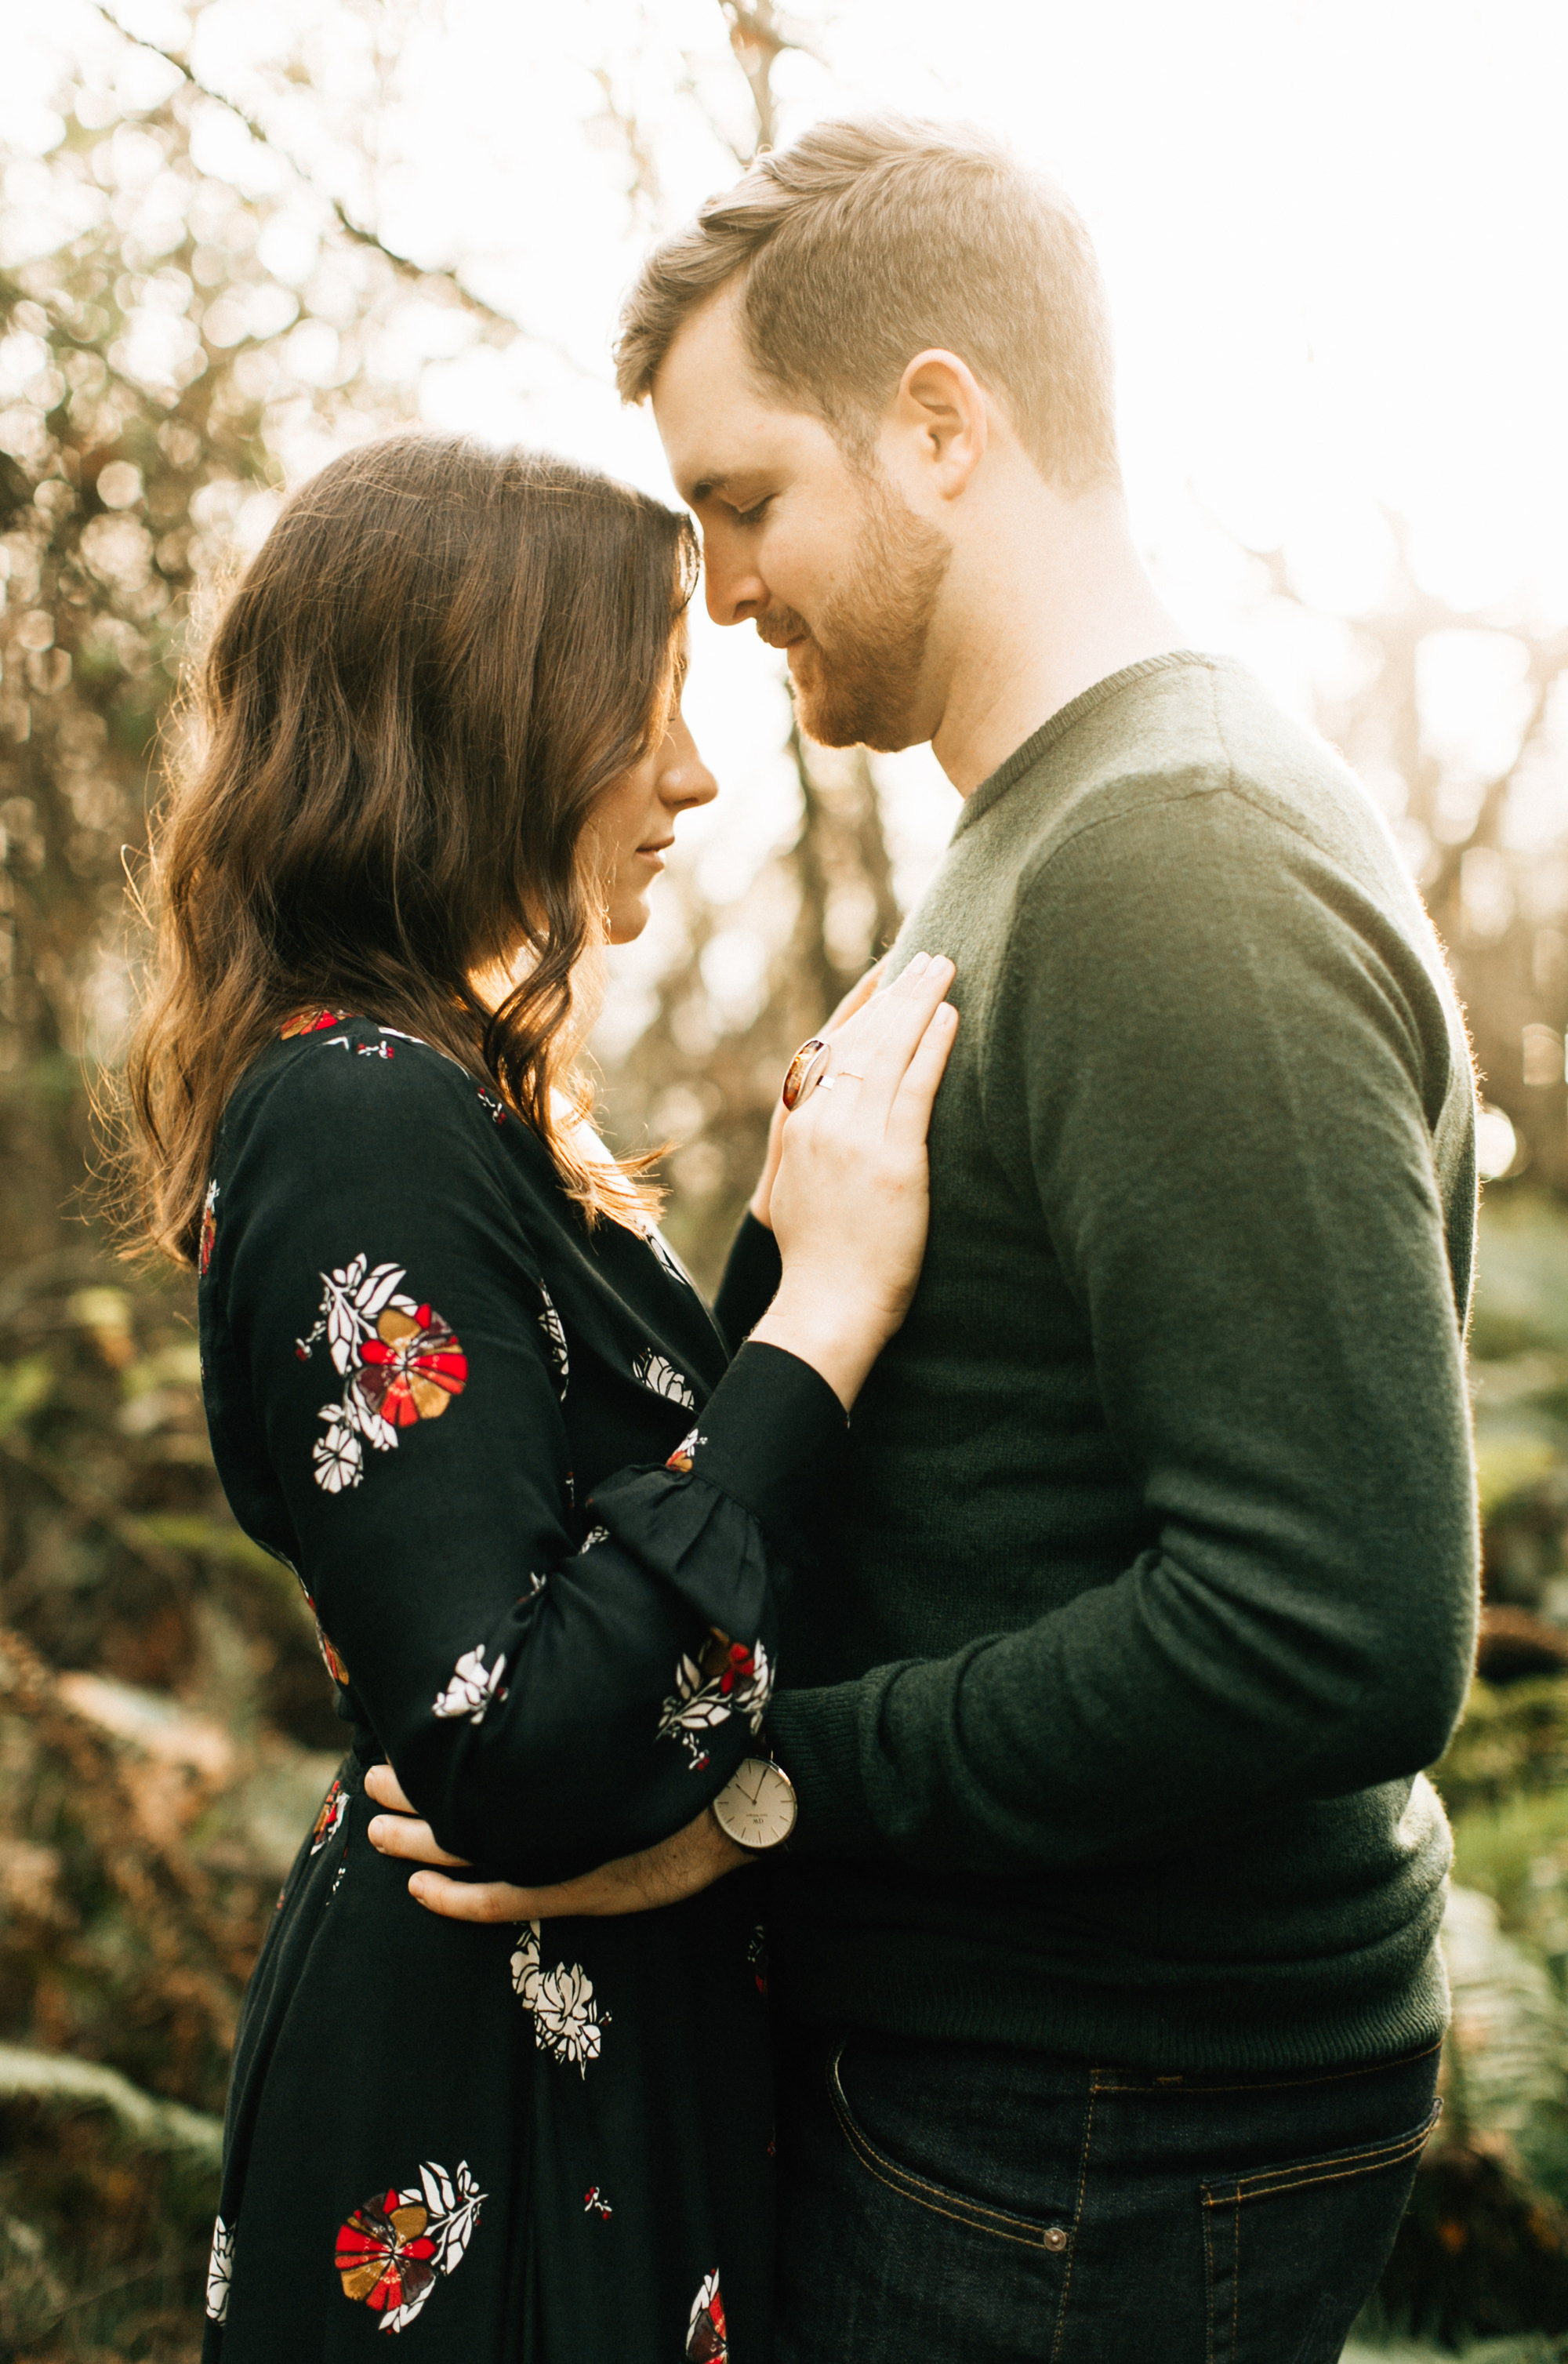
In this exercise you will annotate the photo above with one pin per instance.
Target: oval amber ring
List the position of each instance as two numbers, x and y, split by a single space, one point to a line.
803 1071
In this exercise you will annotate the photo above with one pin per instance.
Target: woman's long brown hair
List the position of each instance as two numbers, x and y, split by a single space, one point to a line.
440 657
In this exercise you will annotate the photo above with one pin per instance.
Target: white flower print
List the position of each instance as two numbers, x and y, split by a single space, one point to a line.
566 2016
728 1680
680 1460
568 2023
454 2203
667 1257
594 1535
652 1370
472 1687
220 2270
401 1362
355 1297
525 1965
554 1341
339 1455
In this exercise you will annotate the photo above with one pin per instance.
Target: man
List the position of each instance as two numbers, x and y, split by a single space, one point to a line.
1106 1942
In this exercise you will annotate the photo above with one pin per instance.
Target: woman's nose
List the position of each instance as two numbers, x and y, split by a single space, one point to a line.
684 779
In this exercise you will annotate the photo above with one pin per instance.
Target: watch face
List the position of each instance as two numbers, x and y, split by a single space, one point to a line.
756 1807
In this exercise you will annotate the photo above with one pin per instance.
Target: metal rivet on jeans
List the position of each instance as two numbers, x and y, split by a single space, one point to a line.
1056 2239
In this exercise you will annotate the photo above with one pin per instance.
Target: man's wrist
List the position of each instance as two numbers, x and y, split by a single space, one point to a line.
718 1848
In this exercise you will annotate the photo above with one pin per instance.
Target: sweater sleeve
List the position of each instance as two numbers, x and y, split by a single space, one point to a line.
551 1701
1216 1069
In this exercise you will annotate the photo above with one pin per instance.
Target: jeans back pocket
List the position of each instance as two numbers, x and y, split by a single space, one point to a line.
1295 2248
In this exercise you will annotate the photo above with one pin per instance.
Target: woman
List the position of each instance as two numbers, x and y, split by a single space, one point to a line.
455 1380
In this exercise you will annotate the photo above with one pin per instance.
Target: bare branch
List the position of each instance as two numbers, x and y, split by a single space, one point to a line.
759 36
644 187
415 274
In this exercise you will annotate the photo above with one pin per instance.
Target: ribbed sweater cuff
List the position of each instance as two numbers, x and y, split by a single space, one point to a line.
770 1435
814 1734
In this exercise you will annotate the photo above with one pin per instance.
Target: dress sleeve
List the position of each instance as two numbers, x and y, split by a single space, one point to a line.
549 1703
751 1277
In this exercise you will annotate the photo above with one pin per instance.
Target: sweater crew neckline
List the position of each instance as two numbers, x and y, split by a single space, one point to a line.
1066 717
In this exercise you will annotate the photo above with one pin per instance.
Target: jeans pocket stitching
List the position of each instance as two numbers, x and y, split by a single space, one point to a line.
1266 2182
1180 2091
943 2202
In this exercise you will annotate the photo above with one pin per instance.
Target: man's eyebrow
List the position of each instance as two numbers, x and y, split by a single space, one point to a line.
741 484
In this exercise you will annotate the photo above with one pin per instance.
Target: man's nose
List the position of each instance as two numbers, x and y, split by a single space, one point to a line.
734 590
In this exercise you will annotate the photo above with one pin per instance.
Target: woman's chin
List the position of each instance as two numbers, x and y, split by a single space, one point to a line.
628 919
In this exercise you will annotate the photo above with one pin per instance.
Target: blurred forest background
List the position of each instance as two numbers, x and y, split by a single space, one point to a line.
199 298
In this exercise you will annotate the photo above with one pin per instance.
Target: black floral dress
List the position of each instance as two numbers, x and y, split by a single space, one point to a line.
544 1530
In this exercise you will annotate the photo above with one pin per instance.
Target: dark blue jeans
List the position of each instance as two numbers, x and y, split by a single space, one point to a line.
963 2205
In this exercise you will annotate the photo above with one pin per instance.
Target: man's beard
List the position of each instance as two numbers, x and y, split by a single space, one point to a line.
857 673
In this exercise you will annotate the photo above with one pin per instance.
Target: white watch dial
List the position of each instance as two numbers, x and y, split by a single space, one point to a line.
756 1807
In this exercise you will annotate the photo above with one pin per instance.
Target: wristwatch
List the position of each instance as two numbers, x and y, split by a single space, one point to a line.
757 1806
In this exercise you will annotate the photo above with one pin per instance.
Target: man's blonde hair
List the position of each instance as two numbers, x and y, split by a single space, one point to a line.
863 243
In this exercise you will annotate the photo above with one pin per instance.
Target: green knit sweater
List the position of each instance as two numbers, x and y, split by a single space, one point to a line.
1152 1573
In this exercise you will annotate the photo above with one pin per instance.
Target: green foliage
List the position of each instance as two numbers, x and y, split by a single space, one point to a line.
107 2205
1512 1745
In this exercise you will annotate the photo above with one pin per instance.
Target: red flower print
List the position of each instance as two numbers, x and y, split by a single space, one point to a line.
310 1022
400 1364
393 2249
412 1367
384 2254
707 2337
209 1227
334 1806
728 1680
738 1663
331 1657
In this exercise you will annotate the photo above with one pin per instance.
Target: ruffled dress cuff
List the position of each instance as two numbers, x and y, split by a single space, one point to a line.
734 1499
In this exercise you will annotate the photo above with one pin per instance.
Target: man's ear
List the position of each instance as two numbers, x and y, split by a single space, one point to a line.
941 405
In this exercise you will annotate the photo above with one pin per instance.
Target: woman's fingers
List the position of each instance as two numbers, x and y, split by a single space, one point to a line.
409 1839
910 1118
881 1058
862 1035
383 1784
857 996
